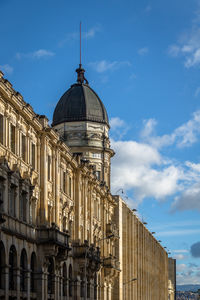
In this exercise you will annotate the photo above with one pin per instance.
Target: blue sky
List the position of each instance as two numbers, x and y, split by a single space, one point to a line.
143 60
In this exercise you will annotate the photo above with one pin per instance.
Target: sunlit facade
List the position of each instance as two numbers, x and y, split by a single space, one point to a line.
63 234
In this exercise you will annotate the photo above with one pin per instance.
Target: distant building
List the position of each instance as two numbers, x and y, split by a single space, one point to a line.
63 235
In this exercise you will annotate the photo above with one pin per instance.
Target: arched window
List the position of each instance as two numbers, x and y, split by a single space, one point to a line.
12 268
64 280
51 276
2 266
70 282
33 272
23 270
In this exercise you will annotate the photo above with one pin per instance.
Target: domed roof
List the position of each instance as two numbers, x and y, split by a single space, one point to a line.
80 103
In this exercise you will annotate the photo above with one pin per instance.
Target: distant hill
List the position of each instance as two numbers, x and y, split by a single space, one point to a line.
188 287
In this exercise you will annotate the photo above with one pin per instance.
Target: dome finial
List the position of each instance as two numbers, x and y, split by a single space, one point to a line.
80 71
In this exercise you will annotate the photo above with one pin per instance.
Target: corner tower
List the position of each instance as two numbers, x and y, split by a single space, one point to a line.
82 122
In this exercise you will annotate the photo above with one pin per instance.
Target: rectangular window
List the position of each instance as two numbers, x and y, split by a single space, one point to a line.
70 186
12 138
98 174
23 207
64 182
33 156
12 200
23 147
49 167
1 129
96 155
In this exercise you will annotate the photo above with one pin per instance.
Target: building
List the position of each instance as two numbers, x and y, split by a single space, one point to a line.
63 234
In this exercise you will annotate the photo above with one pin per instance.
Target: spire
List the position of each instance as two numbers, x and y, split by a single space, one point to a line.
80 71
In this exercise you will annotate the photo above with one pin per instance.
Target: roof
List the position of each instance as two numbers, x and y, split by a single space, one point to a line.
80 103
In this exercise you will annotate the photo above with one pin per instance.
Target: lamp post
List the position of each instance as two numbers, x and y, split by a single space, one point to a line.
125 283
85 266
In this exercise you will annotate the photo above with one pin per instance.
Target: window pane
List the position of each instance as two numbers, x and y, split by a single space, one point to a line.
12 138
1 129
33 156
24 147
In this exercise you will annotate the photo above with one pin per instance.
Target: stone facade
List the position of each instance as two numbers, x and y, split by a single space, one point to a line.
62 234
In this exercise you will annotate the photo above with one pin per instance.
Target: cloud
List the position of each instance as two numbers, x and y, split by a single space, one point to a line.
7 69
140 168
187 274
73 36
180 267
118 128
104 65
188 45
195 250
143 51
183 136
180 251
179 256
38 54
179 232
116 123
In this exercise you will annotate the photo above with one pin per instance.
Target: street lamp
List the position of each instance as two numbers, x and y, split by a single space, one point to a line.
85 266
125 283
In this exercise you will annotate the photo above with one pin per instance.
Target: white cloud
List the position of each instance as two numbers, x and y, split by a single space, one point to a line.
141 169
179 232
104 65
187 274
7 69
143 51
181 267
188 45
183 136
179 256
116 123
41 53
180 251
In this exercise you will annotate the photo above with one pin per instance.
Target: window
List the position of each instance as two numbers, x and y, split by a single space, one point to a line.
23 147
23 271
49 167
96 155
70 186
12 200
64 181
98 174
1 129
23 206
33 272
64 280
50 279
1 193
12 138
33 156
12 268
70 281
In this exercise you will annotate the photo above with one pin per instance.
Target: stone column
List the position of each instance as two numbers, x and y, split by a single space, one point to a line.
18 283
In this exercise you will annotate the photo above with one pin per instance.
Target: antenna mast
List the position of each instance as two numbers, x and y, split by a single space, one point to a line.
80 43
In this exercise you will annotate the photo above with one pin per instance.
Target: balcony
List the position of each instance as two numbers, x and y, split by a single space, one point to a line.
111 266
111 229
54 241
87 255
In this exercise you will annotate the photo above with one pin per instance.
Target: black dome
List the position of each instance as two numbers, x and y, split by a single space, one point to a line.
80 103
